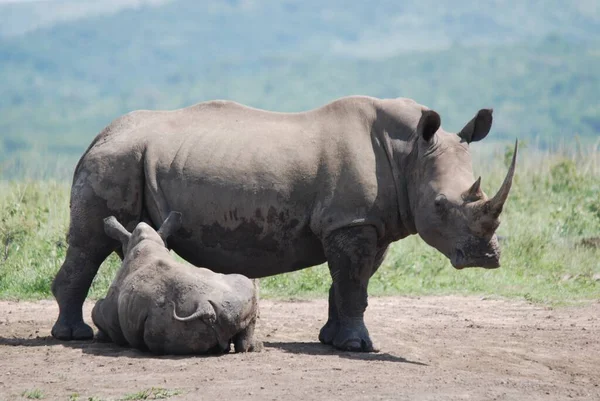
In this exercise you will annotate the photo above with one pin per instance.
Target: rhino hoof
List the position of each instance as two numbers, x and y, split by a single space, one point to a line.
354 338
257 346
102 337
329 331
356 345
77 331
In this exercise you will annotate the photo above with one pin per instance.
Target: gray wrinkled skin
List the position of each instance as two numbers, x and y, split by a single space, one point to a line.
158 304
265 193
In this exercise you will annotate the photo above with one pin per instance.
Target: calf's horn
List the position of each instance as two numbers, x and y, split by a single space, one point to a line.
497 202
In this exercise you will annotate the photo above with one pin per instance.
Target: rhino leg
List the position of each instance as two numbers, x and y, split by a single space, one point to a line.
102 337
353 256
244 341
70 287
88 247
105 316
330 329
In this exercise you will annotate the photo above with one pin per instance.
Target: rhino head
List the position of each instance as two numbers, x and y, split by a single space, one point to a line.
451 211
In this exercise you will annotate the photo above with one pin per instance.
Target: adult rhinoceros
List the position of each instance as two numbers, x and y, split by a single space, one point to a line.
265 193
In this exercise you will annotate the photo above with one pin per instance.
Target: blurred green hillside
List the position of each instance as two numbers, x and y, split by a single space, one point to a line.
66 70
69 67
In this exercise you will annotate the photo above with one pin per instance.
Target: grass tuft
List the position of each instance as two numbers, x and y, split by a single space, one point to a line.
35 394
154 393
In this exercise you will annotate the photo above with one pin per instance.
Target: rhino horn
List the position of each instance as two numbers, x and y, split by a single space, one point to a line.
474 193
497 202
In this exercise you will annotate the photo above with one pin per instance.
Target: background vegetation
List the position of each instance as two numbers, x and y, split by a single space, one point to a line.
549 227
67 68
535 62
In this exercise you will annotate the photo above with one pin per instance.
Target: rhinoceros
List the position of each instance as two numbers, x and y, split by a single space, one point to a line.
151 290
265 193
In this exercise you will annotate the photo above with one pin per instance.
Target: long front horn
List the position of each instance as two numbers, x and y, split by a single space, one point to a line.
497 202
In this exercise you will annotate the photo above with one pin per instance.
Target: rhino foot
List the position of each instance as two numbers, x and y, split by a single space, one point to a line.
75 331
102 337
353 337
254 346
245 342
329 331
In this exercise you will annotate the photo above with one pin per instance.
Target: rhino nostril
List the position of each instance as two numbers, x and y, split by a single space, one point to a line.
460 255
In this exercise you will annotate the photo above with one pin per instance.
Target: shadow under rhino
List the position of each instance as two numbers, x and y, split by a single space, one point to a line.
112 350
311 348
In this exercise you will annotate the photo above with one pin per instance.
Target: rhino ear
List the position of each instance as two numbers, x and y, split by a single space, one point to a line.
428 124
478 127
115 230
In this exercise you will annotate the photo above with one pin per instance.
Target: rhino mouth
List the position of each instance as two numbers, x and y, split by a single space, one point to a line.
489 260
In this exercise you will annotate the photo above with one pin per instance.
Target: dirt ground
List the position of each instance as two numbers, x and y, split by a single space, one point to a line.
432 348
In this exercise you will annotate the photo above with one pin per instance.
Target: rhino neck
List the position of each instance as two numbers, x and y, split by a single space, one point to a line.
398 152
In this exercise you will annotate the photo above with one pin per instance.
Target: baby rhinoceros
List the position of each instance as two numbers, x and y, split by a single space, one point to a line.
156 303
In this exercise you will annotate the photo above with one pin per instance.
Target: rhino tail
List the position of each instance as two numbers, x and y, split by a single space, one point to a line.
205 312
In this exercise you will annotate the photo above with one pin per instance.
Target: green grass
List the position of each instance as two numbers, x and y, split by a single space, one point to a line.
554 204
154 393
35 394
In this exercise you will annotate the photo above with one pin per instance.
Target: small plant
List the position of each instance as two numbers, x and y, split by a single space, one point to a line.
154 393
35 394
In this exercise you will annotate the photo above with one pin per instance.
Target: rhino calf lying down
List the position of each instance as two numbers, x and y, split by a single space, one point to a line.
156 303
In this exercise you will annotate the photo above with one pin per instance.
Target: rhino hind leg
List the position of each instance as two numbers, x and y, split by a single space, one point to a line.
353 256
70 287
88 247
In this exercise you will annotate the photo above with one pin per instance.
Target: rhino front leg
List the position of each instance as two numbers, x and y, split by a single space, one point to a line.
328 332
352 255
330 329
244 341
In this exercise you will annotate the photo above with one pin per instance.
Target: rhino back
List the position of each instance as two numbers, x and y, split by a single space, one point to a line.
261 189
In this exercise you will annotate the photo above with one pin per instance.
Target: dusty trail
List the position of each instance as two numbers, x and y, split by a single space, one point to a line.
432 348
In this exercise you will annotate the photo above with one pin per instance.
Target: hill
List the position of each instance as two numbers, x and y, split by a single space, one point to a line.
62 84
349 27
